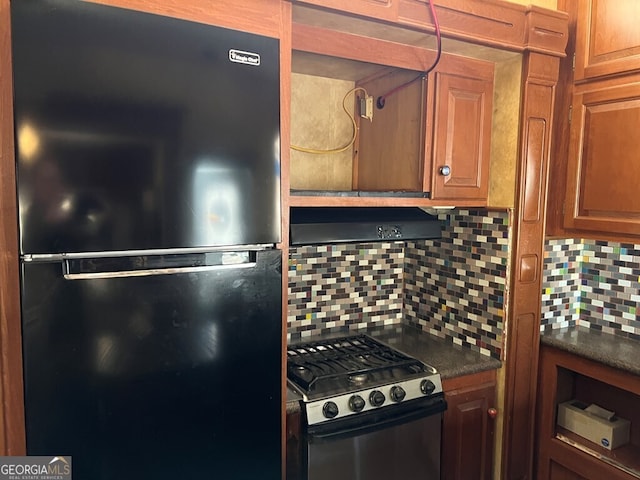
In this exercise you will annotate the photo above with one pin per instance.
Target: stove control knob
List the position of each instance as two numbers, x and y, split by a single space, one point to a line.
356 403
376 398
330 410
397 394
427 387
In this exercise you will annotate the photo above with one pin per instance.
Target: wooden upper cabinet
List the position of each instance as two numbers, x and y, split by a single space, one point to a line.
462 98
378 9
608 38
603 172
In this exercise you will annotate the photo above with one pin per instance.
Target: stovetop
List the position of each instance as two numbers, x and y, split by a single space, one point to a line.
352 374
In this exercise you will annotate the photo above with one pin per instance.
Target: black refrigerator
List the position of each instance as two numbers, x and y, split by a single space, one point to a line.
148 174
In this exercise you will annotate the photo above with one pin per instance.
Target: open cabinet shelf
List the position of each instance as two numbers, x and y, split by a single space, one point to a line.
565 377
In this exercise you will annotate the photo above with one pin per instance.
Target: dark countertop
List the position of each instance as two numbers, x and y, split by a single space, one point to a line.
612 350
449 359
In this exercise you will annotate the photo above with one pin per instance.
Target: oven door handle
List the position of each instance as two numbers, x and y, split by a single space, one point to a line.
373 421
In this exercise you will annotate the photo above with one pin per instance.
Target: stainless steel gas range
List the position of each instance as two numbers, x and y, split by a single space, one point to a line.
371 411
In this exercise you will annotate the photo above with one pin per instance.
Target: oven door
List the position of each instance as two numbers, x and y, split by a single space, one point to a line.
400 442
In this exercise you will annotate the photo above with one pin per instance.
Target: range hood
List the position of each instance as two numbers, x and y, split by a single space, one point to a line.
322 225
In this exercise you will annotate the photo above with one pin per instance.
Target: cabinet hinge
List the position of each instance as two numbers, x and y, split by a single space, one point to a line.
570 113
573 63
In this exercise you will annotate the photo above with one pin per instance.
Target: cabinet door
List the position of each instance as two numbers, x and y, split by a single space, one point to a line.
461 140
608 38
467 439
378 9
603 172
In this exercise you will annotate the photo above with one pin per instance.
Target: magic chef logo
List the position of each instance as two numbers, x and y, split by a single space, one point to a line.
35 468
248 58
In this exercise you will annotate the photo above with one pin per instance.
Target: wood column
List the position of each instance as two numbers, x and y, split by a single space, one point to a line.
540 75
12 438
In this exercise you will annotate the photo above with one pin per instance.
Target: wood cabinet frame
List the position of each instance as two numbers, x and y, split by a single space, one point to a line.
540 74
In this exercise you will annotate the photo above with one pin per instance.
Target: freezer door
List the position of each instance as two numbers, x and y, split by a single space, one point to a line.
152 374
137 131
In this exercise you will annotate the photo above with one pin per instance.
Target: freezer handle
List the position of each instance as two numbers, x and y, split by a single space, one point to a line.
142 266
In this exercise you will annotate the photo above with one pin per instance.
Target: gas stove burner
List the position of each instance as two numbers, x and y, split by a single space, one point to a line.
358 378
356 374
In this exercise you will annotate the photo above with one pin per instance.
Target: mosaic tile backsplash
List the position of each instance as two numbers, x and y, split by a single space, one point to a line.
453 287
340 287
592 283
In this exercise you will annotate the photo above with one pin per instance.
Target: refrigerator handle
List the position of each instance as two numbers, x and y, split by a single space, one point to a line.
70 270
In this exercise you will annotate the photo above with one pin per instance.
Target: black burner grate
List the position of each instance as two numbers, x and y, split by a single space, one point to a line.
349 357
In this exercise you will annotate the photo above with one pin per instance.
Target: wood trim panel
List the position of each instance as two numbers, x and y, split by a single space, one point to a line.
546 33
496 23
540 74
323 41
380 9
12 440
337 201
493 23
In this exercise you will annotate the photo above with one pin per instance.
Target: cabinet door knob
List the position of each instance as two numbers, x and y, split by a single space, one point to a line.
446 170
492 412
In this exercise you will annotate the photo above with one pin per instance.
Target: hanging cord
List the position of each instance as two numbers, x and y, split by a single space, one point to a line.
383 98
353 124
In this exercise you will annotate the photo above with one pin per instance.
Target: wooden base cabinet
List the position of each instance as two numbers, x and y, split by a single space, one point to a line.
467 438
563 455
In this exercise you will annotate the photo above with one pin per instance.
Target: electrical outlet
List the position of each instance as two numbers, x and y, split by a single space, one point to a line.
366 107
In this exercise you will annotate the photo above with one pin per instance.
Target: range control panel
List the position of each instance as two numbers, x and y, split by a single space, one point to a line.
383 396
391 232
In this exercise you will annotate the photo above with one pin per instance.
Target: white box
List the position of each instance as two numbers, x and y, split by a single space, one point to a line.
594 423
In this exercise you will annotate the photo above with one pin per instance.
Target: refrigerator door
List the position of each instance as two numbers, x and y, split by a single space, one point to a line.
137 131
168 370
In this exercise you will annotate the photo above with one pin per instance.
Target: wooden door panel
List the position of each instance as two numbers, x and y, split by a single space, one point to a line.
603 172
468 434
462 132
608 38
